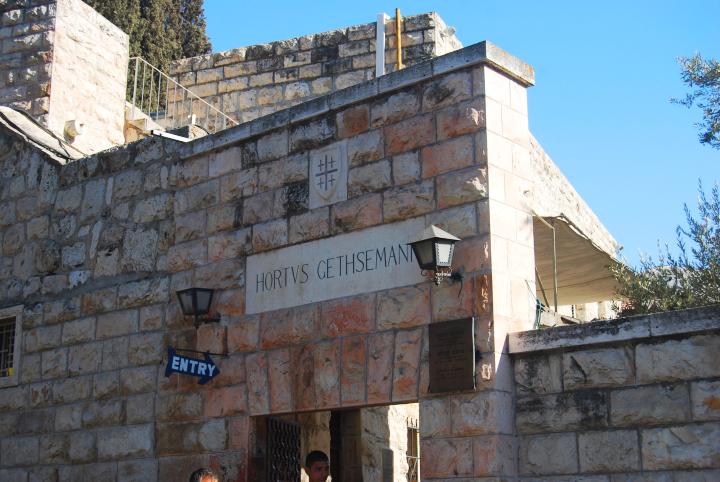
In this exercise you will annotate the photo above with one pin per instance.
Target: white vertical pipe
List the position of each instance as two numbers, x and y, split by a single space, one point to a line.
380 44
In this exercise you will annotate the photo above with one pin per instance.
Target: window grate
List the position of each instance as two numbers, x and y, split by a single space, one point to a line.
413 450
7 346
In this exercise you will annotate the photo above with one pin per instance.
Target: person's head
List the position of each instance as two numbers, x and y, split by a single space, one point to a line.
317 466
204 475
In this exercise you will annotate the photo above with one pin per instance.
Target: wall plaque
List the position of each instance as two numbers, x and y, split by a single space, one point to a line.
452 356
349 264
328 175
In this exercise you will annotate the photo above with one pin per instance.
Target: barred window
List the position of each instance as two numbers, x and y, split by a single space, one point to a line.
10 337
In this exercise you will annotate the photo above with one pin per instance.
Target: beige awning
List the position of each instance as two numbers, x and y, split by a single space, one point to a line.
582 267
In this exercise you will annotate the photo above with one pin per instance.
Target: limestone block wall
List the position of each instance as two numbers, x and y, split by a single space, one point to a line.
27 30
249 82
629 399
94 251
61 61
89 75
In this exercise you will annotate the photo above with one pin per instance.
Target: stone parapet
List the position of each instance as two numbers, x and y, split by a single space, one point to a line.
633 398
251 82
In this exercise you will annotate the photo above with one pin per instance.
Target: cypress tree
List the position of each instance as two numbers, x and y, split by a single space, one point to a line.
160 30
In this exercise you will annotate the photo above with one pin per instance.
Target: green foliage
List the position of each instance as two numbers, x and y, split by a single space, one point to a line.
703 77
160 30
686 280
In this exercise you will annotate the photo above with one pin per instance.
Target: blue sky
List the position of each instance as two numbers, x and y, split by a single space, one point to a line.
604 74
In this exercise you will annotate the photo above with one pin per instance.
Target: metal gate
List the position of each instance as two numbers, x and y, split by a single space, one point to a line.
283 451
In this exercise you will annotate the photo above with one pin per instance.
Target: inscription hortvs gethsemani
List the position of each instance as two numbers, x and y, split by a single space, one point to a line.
369 260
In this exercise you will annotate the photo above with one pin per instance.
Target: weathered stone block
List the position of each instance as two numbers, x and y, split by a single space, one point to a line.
403 307
269 235
126 442
54 363
127 184
538 374
158 207
273 146
69 390
705 396
380 360
409 134
353 121
42 338
77 331
312 135
460 119
447 156
406 364
348 316
229 245
197 197
616 451
146 348
115 353
242 335
598 368
102 414
310 225
565 411
140 409
187 255
279 380
408 201
257 386
646 405
357 213
138 380
138 471
694 446
548 454
178 407
272 175
117 323
394 109
670 360
94 199
368 178
84 358
447 90
461 221
223 402
456 454
144 292
20 451
406 168
189 226
461 187
327 374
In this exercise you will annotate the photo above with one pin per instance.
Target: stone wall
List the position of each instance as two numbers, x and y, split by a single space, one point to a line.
89 75
27 29
62 61
629 399
249 82
94 251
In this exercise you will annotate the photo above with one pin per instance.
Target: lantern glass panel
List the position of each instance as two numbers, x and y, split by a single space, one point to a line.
186 302
204 298
424 252
444 251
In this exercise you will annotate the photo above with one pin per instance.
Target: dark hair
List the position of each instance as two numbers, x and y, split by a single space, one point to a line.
198 475
315 456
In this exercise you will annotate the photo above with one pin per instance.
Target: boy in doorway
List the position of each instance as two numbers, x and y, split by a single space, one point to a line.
317 466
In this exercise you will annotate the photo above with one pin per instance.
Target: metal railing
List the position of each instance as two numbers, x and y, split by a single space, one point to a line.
169 104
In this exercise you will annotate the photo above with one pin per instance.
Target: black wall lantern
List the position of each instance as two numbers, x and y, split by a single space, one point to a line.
434 251
196 302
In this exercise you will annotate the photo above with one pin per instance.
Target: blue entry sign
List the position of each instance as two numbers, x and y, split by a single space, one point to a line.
205 369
